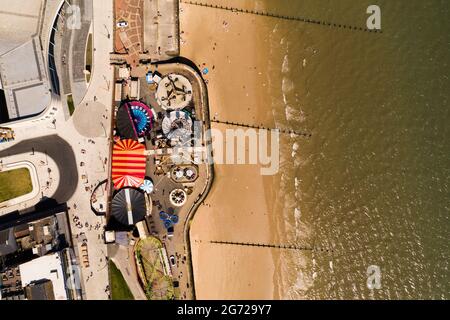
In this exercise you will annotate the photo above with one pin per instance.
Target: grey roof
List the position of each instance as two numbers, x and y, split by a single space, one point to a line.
40 290
7 242
23 77
23 73
20 22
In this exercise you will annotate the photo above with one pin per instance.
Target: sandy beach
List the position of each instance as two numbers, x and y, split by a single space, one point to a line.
240 204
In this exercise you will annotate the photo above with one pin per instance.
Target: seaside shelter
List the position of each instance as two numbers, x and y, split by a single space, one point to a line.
128 164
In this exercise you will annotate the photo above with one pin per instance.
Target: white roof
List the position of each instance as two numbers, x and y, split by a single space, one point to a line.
110 236
124 73
46 267
156 78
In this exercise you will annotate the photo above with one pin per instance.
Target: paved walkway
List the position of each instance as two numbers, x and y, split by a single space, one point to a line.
128 39
79 159
124 259
95 277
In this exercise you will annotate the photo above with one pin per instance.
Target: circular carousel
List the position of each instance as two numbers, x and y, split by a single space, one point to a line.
178 197
134 119
177 126
174 92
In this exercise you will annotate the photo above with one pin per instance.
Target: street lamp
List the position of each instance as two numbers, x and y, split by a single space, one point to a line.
104 130
109 35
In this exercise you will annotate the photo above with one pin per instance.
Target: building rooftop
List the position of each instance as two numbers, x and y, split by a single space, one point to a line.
7 242
24 80
40 290
20 22
22 242
23 75
49 267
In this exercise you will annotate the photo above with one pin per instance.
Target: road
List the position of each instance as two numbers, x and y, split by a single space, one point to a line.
71 49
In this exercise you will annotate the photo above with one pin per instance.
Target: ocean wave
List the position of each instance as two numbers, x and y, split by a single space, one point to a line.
287 85
285 65
294 114
295 147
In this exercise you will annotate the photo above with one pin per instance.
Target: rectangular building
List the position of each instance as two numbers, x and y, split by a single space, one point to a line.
46 268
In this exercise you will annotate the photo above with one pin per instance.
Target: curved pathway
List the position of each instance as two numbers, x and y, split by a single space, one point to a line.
61 152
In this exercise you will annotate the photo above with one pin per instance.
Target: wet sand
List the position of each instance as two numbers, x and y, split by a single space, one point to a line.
239 207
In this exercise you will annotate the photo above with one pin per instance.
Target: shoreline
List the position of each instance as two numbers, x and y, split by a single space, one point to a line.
228 212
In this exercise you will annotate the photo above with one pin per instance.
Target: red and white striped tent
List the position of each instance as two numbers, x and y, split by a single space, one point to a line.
128 164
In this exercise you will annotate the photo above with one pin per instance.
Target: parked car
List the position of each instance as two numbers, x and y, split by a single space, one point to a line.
173 262
170 232
122 24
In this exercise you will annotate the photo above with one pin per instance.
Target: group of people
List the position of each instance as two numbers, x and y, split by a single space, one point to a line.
77 222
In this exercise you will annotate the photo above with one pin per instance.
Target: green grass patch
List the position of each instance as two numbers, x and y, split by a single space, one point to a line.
70 103
119 287
89 58
157 286
15 183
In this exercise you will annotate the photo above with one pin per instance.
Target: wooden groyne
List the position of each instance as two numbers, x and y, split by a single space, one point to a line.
283 17
261 127
274 246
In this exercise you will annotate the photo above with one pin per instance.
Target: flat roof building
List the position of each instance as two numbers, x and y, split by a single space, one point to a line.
23 72
22 242
40 290
8 242
46 268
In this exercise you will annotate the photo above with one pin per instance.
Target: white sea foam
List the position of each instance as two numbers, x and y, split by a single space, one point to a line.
275 29
295 147
297 189
289 111
259 5
303 282
293 114
297 214
285 66
287 85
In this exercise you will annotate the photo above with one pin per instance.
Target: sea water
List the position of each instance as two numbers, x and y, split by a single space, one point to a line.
371 186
